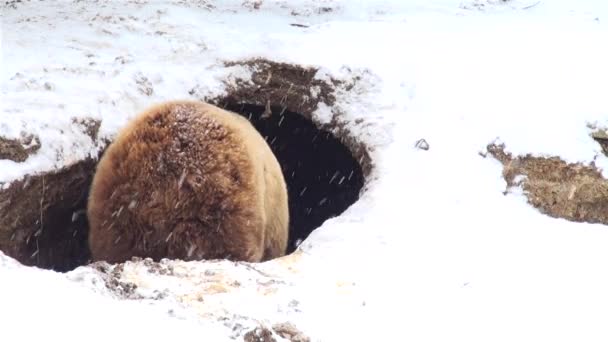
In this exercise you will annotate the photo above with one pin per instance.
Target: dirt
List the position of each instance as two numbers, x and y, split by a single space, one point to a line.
280 87
252 4
359 150
19 149
283 85
259 334
12 3
601 136
111 275
43 218
89 126
289 332
144 85
285 330
572 191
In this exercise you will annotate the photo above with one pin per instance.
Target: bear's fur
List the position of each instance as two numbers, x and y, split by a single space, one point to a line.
188 180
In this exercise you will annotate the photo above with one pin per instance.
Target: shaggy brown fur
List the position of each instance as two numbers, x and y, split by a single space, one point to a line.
188 180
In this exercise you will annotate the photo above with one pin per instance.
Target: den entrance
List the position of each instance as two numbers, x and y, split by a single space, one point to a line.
43 217
323 178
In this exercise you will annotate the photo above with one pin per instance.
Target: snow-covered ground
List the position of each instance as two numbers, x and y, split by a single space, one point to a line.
433 251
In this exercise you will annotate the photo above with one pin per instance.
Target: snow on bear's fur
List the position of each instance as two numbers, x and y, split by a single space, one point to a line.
188 180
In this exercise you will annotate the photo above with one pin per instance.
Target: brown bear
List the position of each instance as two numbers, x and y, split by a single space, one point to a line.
188 180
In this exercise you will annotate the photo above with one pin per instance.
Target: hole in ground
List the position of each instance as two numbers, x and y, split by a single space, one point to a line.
58 241
323 178
43 217
43 220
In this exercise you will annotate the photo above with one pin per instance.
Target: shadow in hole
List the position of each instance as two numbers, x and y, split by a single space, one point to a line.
323 178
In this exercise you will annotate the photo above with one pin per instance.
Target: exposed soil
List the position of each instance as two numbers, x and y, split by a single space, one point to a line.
43 220
11 3
574 192
285 330
18 150
282 85
259 334
601 136
289 332
89 126
111 275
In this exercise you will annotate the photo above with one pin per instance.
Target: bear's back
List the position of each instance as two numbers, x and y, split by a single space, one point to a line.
187 180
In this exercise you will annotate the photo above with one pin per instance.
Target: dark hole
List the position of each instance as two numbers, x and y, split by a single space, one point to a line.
323 178
62 245
47 214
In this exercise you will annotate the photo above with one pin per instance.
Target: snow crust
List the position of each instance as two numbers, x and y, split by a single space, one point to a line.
433 251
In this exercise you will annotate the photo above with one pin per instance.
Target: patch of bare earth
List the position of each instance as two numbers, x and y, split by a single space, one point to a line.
18 150
281 84
259 334
601 136
111 275
285 330
572 191
289 332
43 219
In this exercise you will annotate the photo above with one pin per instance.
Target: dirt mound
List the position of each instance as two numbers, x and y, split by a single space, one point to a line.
572 191
18 150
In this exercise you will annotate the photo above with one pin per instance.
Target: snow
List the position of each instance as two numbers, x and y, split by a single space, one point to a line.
432 251
34 303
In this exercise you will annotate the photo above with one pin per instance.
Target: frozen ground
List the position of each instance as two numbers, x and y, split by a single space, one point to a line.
433 251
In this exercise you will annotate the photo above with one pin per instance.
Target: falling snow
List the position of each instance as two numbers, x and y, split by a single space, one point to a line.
432 251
